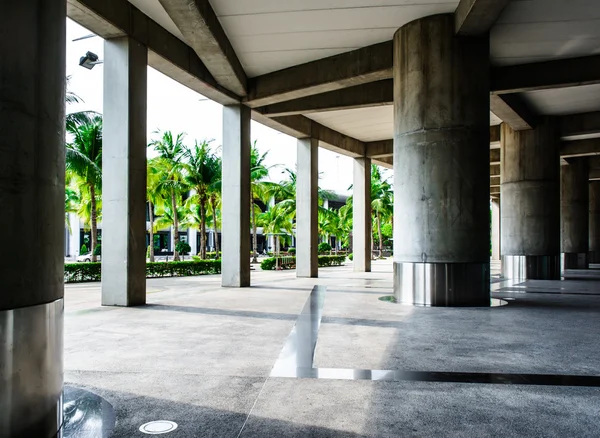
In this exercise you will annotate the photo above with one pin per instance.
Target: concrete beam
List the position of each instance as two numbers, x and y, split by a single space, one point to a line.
387 162
494 156
578 126
494 137
546 75
513 111
300 127
494 170
367 64
476 17
202 30
167 54
580 148
494 191
380 149
494 181
366 95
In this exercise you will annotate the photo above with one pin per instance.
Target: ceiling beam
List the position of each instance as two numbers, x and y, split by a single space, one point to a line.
546 75
202 30
167 54
494 156
578 126
594 175
494 170
387 162
494 181
300 127
366 95
476 17
513 110
580 148
367 64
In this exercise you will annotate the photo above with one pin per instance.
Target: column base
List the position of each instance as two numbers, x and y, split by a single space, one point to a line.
442 284
31 370
521 267
575 260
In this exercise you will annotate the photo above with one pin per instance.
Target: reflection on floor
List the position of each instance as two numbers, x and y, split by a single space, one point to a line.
211 359
86 415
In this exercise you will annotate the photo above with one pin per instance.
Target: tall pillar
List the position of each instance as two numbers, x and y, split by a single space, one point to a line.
32 190
574 213
307 203
193 241
124 173
530 202
495 229
235 267
594 239
361 215
441 165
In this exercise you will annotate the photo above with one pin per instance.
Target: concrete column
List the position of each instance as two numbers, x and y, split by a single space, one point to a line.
530 202
441 165
236 197
307 203
361 215
193 240
74 239
594 239
574 213
124 173
32 190
495 229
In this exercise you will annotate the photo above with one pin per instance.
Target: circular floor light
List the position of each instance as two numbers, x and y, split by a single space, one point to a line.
158 427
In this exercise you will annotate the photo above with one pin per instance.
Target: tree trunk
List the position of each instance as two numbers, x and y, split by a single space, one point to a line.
175 225
379 234
94 223
215 226
203 227
254 235
151 232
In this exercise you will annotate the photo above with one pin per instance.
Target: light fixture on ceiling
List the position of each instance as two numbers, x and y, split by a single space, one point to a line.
89 60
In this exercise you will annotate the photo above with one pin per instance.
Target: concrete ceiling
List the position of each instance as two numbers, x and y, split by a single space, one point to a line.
365 124
539 30
562 101
154 10
270 35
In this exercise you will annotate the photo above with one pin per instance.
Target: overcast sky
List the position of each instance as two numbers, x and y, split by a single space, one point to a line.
174 107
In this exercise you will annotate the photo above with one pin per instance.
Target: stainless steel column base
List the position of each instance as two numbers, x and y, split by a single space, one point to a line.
442 284
31 370
521 267
575 260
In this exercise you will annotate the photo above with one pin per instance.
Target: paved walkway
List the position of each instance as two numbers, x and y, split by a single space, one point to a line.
203 356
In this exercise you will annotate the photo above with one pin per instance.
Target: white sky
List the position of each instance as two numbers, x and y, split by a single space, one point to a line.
174 107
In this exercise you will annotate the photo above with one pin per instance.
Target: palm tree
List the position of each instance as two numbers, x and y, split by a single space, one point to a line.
258 190
215 208
203 175
382 202
84 161
154 198
165 219
276 222
171 180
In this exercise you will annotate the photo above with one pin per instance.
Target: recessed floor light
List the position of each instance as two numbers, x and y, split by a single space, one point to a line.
158 427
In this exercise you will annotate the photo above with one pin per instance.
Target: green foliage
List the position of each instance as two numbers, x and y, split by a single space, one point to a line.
183 247
84 249
324 247
148 252
98 249
78 272
209 256
290 262
292 250
351 256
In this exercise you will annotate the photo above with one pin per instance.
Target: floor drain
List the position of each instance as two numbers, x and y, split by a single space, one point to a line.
158 427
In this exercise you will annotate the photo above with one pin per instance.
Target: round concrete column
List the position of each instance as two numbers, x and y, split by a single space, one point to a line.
574 213
32 190
530 202
441 165
594 241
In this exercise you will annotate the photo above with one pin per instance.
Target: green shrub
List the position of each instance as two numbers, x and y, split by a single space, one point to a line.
324 247
292 250
98 250
78 272
183 247
269 264
331 260
83 249
351 256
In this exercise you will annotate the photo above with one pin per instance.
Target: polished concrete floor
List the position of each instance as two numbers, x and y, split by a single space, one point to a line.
204 357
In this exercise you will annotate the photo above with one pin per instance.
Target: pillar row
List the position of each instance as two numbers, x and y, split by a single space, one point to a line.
124 173
574 213
235 267
441 165
594 237
530 202
361 215
32 190
307 203
495 204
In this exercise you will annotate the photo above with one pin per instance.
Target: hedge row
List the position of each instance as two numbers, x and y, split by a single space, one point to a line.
290 262
78 272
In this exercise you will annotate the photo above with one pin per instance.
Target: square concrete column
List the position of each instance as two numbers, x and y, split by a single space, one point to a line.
307 203
361 215
193 240
235 267
574 213
495 229
124 173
